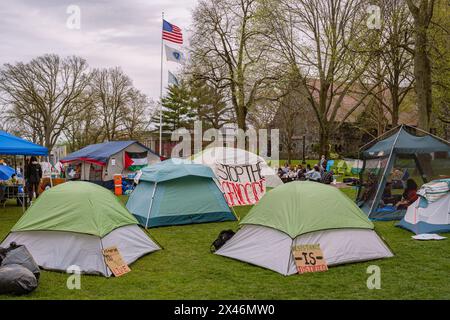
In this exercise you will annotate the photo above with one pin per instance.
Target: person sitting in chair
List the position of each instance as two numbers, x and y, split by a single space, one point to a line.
409 196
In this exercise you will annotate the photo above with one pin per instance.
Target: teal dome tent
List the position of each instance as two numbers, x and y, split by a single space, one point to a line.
177 192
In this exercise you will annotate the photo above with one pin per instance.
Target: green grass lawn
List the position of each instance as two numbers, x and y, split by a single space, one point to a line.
186 269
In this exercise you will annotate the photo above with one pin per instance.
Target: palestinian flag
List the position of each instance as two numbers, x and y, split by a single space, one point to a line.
135 161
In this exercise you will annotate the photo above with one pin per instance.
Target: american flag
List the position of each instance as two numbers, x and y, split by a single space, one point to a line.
172 33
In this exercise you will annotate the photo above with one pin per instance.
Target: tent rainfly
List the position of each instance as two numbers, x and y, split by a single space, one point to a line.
176 192
300 213
243 176
71 223
422 155
100 162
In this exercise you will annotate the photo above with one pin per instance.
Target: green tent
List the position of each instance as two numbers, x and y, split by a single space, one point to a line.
71 223
76 207
176 192
304 213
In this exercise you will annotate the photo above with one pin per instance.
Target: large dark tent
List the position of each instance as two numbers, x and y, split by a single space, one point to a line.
419 155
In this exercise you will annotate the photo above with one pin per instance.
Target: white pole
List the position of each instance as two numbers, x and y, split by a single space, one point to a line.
161 90
151 204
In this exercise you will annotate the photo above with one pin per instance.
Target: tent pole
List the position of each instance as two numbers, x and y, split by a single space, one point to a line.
24 183
383 177
151 205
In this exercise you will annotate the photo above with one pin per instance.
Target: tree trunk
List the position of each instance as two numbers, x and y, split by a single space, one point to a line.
422 73
324 138
241 115
395 106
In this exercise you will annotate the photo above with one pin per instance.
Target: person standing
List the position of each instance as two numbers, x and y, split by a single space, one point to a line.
323 163
33 175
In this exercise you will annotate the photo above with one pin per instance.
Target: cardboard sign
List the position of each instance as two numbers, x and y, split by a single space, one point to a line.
115 262
241 184
309 258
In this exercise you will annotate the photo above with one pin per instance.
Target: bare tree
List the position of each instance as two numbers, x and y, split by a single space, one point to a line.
228 43
41 94
393 66
111 90
326 43
136 119
84 127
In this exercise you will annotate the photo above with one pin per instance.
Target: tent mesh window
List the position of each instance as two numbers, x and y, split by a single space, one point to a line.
405 154
370 176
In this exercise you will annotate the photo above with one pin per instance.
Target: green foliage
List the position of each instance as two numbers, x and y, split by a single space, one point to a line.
440 29
208 103
185 269
177 109
193 100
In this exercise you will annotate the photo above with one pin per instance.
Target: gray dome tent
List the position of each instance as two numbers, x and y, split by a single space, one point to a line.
422 155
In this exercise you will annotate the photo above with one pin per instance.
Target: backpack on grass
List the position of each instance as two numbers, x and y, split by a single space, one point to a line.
223 237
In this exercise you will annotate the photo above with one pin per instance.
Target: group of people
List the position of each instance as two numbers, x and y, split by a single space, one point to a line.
399 201
31 177
317 173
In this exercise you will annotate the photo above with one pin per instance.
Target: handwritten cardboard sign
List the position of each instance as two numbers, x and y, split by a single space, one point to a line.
309 258
115 262
242 184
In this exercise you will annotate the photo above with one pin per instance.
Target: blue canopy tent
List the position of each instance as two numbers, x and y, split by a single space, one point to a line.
15 146
177 192
406 148
12 145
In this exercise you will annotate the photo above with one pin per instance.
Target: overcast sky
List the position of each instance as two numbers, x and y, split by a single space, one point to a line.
123 33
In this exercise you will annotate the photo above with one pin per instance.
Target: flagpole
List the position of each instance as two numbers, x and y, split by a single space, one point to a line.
161 90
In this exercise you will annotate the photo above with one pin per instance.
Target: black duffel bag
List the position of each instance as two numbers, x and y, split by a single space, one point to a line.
223 237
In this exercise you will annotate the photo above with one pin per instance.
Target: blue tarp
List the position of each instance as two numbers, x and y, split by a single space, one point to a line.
100 153
406 143
424 227
174 169
12 145
6 172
